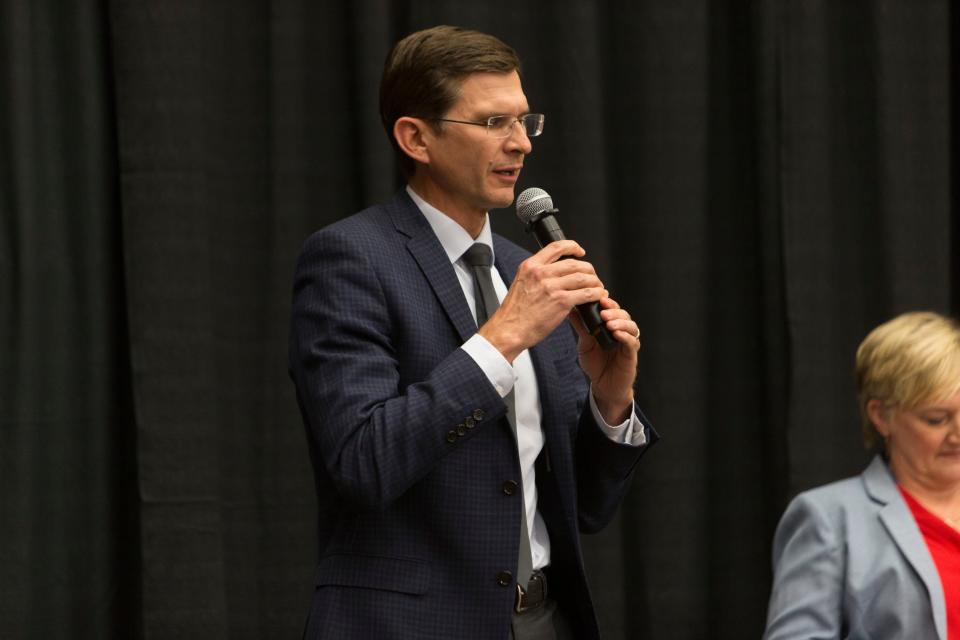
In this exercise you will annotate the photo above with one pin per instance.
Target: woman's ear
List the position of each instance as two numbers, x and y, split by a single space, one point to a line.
879 415
412 137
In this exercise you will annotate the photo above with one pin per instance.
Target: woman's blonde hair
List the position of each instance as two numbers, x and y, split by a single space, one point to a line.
906 361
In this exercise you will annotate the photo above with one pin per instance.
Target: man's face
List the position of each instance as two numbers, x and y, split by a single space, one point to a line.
470 170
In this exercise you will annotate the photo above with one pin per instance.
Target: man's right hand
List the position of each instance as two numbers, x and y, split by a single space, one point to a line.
542 295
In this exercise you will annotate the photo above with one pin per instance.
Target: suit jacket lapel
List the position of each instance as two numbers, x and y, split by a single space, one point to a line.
902 527
429 254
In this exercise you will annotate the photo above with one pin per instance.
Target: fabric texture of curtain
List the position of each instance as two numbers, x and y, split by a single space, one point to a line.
758 183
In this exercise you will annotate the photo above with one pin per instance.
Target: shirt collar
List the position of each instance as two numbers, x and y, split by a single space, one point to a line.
454 238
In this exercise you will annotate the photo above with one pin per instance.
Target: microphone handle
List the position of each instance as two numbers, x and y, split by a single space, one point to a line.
547 230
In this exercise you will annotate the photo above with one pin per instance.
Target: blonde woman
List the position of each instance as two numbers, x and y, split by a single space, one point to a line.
878 556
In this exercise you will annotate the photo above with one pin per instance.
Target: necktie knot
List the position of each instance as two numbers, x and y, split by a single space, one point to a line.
478 255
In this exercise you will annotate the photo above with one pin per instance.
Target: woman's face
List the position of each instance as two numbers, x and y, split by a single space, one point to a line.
923 442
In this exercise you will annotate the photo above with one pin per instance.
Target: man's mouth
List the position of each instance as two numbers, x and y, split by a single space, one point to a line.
507 171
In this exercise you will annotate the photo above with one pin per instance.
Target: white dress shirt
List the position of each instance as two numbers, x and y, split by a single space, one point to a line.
520 377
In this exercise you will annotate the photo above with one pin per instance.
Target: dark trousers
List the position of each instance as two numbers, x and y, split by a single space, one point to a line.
546 622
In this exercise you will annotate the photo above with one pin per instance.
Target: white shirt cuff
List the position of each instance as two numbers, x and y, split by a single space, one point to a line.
630 431
499 372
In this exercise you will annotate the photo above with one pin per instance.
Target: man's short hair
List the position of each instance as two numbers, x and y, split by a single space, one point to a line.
423 72
911 359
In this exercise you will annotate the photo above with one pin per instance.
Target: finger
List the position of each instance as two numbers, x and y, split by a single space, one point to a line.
578 280
619 323
556 250
628 334
575 297
538 266
625 325
614 314
566 267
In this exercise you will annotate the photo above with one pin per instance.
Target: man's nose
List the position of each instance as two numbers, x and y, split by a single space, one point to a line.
519 140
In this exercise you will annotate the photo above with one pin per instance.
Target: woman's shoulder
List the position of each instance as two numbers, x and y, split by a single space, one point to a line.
836 504
835 493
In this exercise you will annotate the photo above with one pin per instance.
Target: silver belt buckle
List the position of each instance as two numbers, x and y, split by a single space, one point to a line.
518 604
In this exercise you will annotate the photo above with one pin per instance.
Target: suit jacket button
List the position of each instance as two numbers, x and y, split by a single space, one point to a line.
509 487
461 430
478 414
452 436
504 578
470 422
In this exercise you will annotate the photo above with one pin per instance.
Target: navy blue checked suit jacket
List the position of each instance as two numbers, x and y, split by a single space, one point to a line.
410 445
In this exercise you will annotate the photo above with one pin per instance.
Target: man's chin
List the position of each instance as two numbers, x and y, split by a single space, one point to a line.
503 198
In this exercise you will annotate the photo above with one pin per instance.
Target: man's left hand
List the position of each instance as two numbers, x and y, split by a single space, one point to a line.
612 372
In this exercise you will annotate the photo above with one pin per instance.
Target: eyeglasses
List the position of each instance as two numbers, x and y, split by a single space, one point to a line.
502 126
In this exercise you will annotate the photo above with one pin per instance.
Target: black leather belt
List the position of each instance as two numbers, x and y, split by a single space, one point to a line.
534 595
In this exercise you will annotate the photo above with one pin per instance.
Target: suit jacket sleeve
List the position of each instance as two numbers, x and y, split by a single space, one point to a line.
604 469
375 437
808 559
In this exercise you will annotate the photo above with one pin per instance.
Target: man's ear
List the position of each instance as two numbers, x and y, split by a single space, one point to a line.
413 137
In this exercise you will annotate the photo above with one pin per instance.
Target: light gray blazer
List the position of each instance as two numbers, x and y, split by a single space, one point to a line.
850 562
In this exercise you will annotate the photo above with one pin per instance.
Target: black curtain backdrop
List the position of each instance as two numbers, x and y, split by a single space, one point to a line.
760 183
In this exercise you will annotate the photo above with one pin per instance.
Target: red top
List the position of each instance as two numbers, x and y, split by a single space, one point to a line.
943 541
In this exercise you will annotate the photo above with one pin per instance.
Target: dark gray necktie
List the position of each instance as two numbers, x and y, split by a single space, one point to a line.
479 257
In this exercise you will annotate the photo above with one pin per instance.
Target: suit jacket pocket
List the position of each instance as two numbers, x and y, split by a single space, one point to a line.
373 572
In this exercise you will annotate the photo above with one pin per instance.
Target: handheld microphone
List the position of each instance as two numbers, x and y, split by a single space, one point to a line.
535 210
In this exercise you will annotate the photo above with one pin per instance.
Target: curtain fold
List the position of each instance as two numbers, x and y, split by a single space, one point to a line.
68 527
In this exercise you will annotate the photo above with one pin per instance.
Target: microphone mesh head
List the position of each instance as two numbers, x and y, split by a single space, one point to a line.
531 203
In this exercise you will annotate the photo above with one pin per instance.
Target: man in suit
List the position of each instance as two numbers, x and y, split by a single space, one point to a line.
455 467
